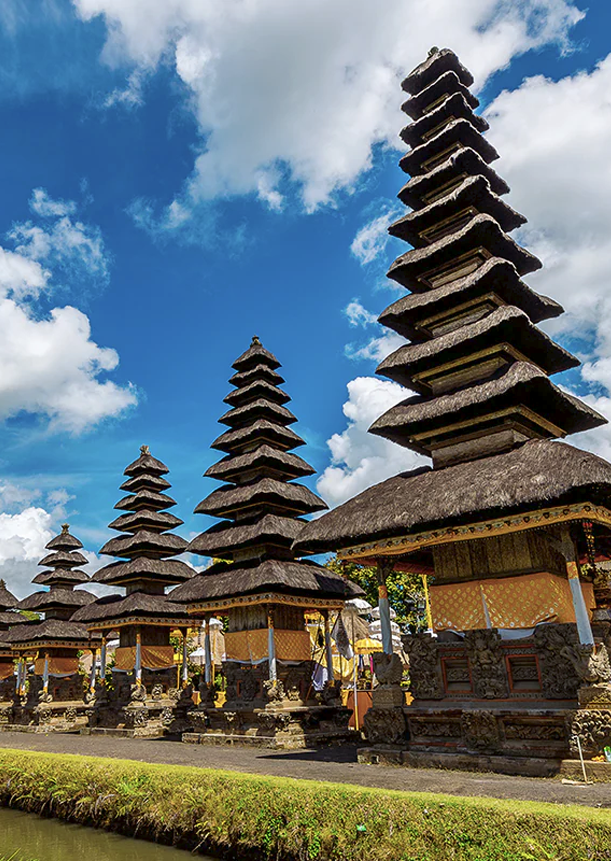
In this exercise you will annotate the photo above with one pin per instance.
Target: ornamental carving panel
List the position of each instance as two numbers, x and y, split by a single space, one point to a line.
594 730
557 648
424 667
480 730
384 726
487 664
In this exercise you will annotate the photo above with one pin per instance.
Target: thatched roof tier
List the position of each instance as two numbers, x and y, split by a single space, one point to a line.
438 62
157 570
538 474
507 331
445 85
50 631
61 575
114 608
154 545
257 372
258 409
146 463
417 315
415 421
63 559
458 254
264 461
258 388
284 576
7 599
439 218
452 108
8 618
145 481
145 499
225 538
421 190
57 597
64 541
255 355
458 133
277 495
154 521
259 432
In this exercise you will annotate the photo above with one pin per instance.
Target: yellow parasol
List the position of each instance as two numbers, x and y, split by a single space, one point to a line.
366 646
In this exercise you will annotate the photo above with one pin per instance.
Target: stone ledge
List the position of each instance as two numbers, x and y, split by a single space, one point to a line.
597 772
518 765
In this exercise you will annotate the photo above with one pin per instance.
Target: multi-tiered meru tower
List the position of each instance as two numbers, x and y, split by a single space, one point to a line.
258 585
54 696
9 616
150 694
506 520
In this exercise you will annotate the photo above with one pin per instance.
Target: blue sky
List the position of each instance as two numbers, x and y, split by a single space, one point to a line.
203 178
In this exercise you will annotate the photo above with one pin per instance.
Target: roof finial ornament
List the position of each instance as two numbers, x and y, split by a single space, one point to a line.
65 528
255 341
145 449
433 50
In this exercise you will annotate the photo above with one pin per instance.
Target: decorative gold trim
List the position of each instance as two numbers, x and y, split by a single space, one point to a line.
221 604
51 644
484 529
128 621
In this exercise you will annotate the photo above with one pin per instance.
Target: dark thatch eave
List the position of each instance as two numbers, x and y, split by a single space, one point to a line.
459 132
160 570
283 462
67 598
481 232
521 385
495 276
145 499
254 391
61 575
225 537
63 559
135 604
505 325
445 85
257 372
8 618
474 192
454 107
464 162
145 481
256 355
143 542
47 630
146 463
156 521
538 474
266 491
260 431
64 541
438 62
7 599
271 575
259 409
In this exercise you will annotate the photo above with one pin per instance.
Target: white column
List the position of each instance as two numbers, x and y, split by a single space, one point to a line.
207 652
45 674
584 629
184 671
138 667
328 646
18 680
103 660
271 645
94 655
385 567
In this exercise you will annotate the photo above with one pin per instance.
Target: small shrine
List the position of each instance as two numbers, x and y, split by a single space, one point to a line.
51 690
9 616
508 525
259 587
145 693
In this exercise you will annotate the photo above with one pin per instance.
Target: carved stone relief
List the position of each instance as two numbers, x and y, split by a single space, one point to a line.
487 664
424 667
384 726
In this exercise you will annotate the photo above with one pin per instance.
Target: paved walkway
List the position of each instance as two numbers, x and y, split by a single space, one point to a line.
330 764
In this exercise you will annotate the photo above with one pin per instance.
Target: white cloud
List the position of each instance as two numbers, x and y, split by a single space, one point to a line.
359 459
43 205
372 239
358 315
303 92
130 96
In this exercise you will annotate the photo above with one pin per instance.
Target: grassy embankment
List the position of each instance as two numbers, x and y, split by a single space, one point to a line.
243 816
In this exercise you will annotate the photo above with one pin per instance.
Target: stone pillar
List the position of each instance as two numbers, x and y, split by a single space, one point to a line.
103 660
207 652
328 647
45 675
584 629
385 567
138 664
271 645
184 669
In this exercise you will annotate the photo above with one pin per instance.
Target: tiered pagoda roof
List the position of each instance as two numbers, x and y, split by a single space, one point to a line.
145 550
262 508
60 601
476 360
8 615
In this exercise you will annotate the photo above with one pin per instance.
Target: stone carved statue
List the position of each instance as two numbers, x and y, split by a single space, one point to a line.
593 727
424 667
388 669
331 694
487 663
556 645
591 663
274 691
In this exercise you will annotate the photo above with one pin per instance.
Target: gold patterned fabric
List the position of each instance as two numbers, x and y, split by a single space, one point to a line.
151 657
57 666
6 670
251 646
507 602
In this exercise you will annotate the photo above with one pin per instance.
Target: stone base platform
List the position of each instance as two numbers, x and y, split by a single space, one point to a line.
597 772
65 717
125 732
516 765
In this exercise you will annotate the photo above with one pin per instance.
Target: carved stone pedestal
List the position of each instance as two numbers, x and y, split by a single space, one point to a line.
62 710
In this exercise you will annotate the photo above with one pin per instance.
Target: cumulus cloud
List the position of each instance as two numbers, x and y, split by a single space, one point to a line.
372 239
294 93
49 365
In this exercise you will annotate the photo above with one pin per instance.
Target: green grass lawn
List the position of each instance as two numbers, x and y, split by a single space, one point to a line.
246 816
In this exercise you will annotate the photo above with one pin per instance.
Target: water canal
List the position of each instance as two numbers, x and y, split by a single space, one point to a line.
29 837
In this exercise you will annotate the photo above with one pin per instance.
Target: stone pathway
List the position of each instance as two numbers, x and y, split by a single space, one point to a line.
331 764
